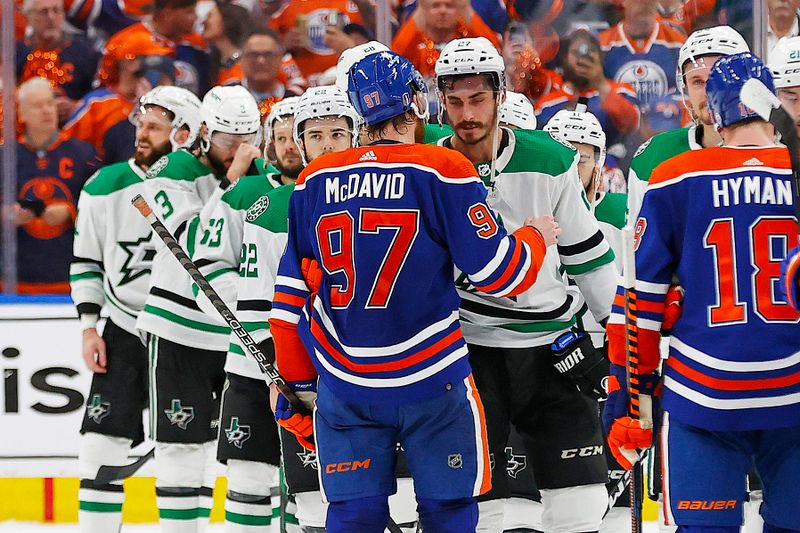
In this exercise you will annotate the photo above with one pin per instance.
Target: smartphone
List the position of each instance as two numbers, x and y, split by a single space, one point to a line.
336 19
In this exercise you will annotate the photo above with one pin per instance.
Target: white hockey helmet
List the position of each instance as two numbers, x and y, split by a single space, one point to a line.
784 62
517 112
230 109
325 101
579 126
351 56
281 109
714 41
184 106
473 55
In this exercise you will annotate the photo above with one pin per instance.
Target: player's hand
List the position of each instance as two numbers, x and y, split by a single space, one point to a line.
94 351
673 307
626 435
547 226
22 215
244 157
295 40
312 273
790 277
301 425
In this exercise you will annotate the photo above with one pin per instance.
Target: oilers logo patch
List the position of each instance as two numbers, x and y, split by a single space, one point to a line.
257 209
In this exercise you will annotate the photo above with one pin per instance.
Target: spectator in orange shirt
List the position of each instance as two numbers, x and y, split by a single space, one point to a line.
261 69
67 61
172 27
123 81
614 104
312 32
432 25
51 169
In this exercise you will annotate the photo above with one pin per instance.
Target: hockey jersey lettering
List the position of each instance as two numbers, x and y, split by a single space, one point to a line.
113 246
378 253
722 373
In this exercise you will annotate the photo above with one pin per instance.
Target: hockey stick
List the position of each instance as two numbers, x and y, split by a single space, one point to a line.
247 342
106 474
636 487
245 339
759 98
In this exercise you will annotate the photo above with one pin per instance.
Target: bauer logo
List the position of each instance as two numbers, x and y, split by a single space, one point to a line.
179 415
454 461
237 434
706 505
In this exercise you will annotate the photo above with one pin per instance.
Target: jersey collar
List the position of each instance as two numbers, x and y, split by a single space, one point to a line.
631 44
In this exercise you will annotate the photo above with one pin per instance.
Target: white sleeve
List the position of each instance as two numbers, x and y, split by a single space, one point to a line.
86 271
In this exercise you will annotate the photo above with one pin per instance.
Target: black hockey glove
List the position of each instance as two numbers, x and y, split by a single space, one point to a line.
576 358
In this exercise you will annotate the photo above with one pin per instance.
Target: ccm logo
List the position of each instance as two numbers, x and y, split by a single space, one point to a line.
706 505
347 466
586 451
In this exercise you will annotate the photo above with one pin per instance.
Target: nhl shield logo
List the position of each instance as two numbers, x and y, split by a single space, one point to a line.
237 433
258 208
484 169
454 461
97 409
179 415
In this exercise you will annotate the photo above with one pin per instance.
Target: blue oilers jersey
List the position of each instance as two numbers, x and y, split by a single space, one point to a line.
387 223
721 220
648 65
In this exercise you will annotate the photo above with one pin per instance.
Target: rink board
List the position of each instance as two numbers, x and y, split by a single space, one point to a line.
44 383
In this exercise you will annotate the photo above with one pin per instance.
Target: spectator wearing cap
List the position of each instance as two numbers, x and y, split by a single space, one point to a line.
784 21
68 62
51 169
262 57
172 28
642 51
120 139
122 77
433 24
312 31
613 103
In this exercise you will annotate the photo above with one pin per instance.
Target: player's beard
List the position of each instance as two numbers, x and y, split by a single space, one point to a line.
156 152
289 170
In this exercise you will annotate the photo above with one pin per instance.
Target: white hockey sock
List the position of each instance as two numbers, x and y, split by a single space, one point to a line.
180 509
100 507
490 516
248 513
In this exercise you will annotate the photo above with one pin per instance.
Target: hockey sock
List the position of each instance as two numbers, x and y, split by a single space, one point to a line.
775 529
180 509
247 513
448 516
100 507
559 514
490 516
365 515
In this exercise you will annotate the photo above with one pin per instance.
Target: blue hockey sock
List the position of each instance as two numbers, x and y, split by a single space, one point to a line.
448 516
775 529
365 515
708 529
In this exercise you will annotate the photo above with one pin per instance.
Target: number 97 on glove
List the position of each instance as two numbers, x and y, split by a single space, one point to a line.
301 425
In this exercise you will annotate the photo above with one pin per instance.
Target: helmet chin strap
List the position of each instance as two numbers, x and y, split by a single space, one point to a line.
496 136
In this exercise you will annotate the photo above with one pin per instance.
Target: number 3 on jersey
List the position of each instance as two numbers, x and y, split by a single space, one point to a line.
336 235
765 234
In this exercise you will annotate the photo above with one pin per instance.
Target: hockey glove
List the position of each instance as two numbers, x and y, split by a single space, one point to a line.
790 277
301 425
312 273
627 435
576 358
673 307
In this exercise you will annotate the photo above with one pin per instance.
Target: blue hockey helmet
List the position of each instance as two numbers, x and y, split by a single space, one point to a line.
725 81
382 86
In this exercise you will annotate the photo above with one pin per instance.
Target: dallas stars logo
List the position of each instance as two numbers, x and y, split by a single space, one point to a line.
139 261
178 415
237 434
97 410
515 463
309 458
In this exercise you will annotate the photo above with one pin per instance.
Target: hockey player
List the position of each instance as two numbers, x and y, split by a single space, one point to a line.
517 112
248 438
510 339
695 58
113 252
187 346
726 400
386 222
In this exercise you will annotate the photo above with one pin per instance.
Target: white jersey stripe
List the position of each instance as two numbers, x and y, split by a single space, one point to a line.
732 366
492 265
294 283
479 437
730 404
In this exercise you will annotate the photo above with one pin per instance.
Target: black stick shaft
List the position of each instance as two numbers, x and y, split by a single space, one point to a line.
245 339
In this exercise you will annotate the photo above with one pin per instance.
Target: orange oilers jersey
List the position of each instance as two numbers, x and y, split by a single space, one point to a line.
314 15
98 111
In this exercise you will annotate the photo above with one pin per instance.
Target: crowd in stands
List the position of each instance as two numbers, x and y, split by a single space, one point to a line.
99 56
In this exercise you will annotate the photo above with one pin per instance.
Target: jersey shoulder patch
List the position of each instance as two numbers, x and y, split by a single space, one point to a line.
258 207
247 190
271 211
658 149
180 166
537 151
157 167
110 179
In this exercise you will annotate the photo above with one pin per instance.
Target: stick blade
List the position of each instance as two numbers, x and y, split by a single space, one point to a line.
755 95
